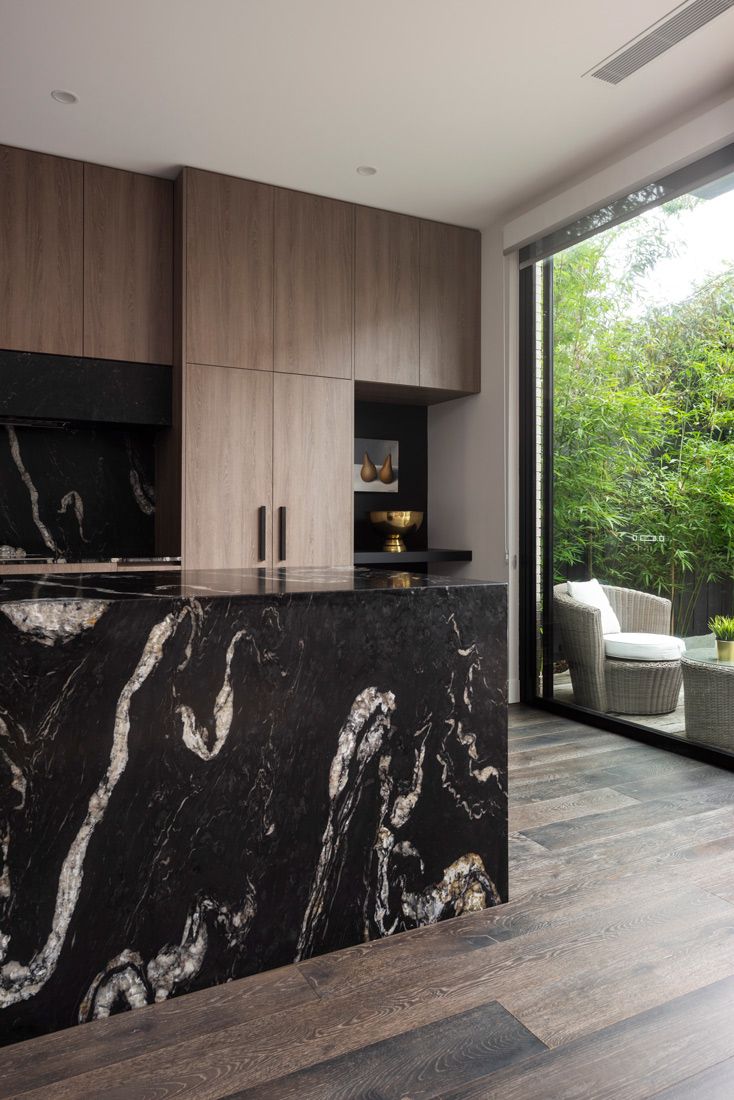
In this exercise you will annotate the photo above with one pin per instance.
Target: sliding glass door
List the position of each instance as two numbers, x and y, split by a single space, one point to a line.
627 348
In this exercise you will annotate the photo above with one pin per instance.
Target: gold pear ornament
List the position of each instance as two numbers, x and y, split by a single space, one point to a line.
369 470
386 474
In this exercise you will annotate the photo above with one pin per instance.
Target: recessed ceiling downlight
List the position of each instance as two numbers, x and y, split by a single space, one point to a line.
366 170
63 96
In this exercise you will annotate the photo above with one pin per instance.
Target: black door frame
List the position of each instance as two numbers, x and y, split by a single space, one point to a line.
532 616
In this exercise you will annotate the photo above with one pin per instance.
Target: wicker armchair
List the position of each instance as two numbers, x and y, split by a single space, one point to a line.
709 702
609 684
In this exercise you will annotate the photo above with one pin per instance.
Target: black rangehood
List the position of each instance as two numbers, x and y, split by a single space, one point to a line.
35 387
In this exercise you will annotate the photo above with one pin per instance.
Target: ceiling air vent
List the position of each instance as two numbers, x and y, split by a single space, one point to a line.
669 31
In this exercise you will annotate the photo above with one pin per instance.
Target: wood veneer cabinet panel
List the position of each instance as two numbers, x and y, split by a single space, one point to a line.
229 272
450 274
314 285
227 466
386 298
128 265
313 443
169 442
40 252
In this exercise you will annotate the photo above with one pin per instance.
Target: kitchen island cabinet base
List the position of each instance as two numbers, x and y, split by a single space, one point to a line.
214 774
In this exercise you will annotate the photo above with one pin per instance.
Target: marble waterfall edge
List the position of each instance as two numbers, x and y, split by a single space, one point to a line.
197 789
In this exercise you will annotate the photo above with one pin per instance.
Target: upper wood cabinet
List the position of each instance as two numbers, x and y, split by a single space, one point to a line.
228 462
313 450
314 286
128 265
229 271
450 274
40 252
386 299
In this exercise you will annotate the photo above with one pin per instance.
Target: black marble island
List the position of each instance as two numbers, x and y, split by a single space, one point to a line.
205 775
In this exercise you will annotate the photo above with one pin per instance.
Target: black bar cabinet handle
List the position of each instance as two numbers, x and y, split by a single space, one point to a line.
281 518
262 513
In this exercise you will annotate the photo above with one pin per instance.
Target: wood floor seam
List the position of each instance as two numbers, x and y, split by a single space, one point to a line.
509 1011
684 1080
720 897
308 980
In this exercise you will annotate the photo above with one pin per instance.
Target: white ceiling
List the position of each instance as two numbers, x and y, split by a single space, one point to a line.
468 108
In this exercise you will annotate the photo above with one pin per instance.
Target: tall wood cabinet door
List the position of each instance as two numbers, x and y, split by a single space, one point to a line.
450 264
128 265
228 449
386 298
313 452
314 285
229 271
40 252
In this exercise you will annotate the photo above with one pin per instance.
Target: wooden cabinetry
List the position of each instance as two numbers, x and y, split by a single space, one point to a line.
450 267
386 298
228 457
313 444
269 285
229 271
128 227
416 307
314 295
253 441
85 259
40 252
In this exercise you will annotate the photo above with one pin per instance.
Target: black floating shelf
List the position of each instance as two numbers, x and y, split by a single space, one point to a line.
408 557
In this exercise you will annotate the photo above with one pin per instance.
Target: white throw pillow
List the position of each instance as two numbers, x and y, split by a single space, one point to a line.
592 594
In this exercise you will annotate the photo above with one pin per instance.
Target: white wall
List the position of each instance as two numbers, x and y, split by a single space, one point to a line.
471 457
472 442
664 151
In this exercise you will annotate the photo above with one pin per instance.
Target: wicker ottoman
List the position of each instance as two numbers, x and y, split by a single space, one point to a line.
709 700
642 687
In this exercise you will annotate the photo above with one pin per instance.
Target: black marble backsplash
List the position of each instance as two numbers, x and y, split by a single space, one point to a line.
76 491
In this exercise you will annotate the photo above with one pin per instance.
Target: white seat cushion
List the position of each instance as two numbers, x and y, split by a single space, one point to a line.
644 647
592 594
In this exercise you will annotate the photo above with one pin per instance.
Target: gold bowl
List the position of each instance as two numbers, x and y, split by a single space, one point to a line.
395 525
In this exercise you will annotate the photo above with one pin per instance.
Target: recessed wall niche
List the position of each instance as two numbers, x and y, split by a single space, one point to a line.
408 426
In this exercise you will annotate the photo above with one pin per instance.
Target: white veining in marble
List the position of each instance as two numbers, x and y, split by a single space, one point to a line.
20 981
127 980
464 888
406 803
195 735
121 981
32 491
72 499
19 785
360 738
49 623
143 494
461 696
175 964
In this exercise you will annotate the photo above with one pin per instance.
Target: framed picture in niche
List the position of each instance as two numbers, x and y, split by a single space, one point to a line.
376 465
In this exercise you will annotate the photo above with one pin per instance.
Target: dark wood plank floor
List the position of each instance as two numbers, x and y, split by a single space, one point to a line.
609 974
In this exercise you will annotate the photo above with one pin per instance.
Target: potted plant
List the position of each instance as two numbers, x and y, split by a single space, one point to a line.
722 627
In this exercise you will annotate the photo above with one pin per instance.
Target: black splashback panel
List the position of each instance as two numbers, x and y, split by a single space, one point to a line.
83 491
408 424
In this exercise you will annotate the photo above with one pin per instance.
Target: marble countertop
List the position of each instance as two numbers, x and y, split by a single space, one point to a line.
219 583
